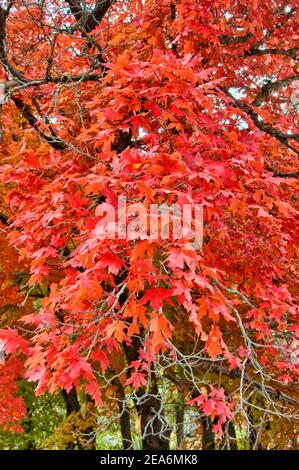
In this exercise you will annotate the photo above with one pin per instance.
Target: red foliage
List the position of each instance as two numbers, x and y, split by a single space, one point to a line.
183 105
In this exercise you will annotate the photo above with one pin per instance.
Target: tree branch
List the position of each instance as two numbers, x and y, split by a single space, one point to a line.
275 51
89 21
272 86
281 174
226 39
52 138
267 128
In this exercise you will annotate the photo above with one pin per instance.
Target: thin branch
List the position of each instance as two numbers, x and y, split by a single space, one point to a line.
27 113
272 86
267 128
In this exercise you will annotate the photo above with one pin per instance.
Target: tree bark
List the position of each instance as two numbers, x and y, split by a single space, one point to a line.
71 401
73 406
179 419
208 437
124 417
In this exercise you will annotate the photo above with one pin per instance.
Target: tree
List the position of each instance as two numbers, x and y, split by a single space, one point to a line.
170 103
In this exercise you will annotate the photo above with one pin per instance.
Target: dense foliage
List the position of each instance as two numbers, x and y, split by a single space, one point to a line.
149 342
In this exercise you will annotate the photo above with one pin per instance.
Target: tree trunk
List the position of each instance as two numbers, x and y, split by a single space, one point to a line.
155 431
71 401
179 419
154 428
208 437
73 406
230 440
89 439
124 417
